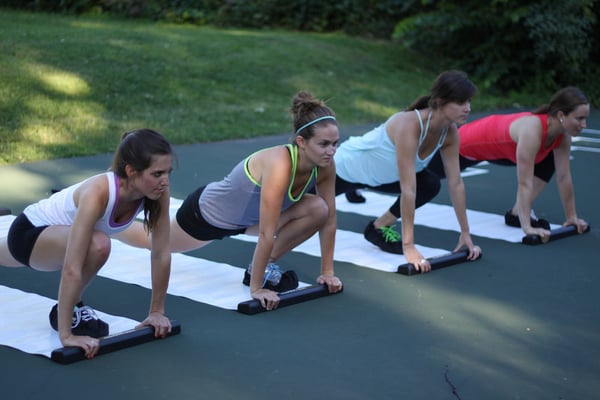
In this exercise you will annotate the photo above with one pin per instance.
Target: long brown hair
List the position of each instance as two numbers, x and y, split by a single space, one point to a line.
136 150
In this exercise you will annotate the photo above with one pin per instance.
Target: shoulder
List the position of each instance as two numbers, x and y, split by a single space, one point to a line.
94 190
529 123
403 122
270 160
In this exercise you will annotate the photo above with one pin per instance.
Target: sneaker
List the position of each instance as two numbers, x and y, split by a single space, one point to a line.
85 322
5 211
386 238
354 196
274 279
513 220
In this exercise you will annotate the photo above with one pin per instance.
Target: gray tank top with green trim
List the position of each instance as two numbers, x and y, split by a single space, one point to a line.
234 202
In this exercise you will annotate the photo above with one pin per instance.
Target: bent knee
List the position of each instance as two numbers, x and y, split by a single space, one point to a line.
100 246
318 209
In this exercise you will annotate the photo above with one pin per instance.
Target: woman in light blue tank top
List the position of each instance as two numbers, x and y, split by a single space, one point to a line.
393 158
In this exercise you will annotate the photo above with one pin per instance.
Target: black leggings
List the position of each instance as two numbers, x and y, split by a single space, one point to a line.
428 186
543 170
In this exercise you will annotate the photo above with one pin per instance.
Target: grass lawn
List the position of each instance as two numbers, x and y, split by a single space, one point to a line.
69 86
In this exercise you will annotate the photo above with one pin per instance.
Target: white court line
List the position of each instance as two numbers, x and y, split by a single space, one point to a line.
24 324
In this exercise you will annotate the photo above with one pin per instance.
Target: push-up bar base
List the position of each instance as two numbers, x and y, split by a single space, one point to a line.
558 233
253 306
108 344
443 261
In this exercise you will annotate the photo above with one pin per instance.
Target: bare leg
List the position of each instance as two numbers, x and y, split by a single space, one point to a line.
181 241
135 235
6 259
386 219
50 248
298 223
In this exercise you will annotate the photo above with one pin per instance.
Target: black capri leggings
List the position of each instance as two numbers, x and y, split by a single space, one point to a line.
428 186
543 170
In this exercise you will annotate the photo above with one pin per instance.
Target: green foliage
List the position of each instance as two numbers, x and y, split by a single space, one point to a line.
70 85
506 45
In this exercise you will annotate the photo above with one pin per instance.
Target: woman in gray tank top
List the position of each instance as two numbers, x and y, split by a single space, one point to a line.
283 194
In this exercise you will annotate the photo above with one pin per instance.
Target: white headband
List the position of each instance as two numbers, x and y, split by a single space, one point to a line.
314 121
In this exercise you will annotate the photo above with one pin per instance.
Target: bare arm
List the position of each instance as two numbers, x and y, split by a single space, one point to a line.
456 187
528 135
404 132
275 170
326 189
76 274
160 261
564 182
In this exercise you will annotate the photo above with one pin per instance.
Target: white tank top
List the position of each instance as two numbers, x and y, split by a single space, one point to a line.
60 209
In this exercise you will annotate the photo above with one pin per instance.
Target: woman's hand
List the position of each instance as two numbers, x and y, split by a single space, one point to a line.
544 234
414 257
161 324
333 283
465 241
577 222
88 344
268 298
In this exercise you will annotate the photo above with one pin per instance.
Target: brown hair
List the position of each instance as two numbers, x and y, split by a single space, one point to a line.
306 109
565 100
137 149
449 86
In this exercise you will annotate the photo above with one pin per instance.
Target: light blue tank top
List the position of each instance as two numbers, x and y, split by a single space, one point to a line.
370 159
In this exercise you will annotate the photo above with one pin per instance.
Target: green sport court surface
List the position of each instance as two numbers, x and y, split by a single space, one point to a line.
521 323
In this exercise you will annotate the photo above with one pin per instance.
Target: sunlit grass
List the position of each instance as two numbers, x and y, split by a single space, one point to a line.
70 86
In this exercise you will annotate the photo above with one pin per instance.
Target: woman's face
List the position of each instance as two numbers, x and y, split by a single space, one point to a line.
154 180
322 146
576 121
457 112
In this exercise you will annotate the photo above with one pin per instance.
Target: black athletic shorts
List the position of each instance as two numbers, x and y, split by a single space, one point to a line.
193 223
22 236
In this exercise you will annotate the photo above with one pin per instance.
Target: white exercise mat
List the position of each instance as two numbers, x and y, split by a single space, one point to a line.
353 248
24 323
437 216
201 280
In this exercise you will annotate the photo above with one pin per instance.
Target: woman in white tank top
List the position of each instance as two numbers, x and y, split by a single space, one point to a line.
71 231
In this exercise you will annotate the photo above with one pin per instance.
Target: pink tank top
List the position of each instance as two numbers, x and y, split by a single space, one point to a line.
489 138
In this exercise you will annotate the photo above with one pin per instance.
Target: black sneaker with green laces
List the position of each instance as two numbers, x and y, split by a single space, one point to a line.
386 238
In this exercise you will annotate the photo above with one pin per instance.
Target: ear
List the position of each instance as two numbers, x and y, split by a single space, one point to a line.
300 141
129 171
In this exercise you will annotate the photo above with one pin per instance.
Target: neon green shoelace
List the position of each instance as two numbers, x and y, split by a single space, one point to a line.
389 234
